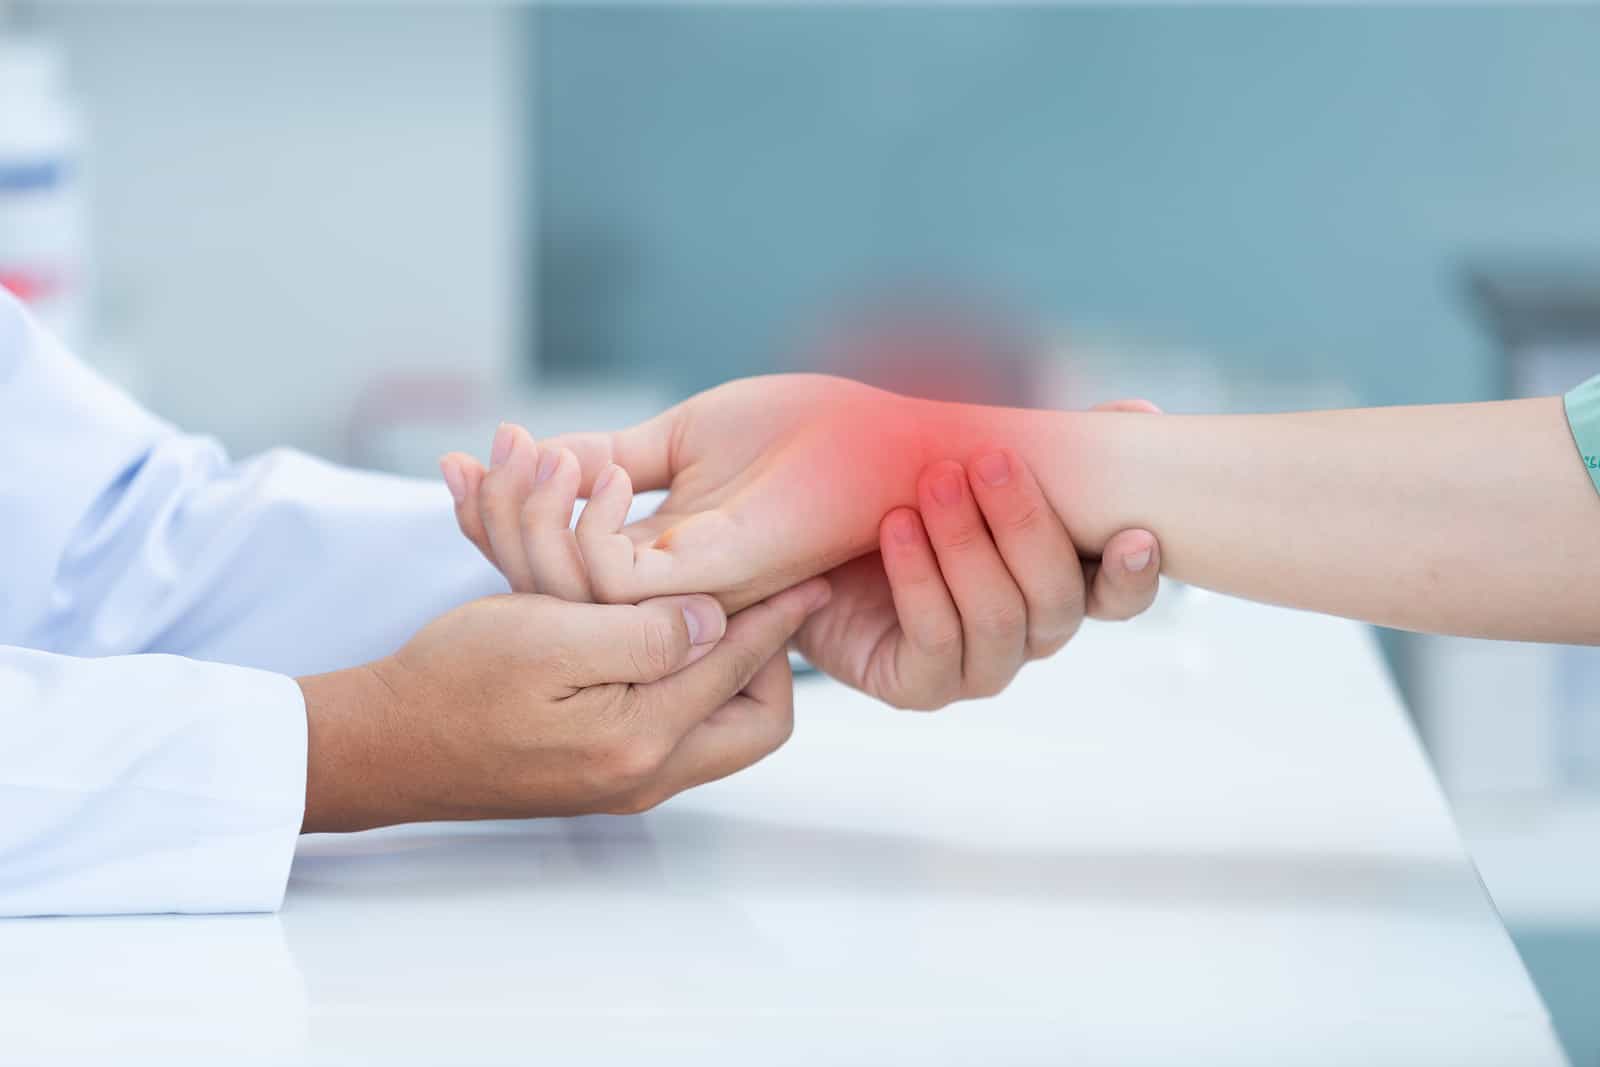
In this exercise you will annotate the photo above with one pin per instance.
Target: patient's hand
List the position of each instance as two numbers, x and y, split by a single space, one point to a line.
944 609
771 480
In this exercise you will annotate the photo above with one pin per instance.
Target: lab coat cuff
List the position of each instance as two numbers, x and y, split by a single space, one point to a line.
245 867
147 783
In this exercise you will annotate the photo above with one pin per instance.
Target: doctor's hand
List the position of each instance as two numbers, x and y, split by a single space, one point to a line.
952 603
519 706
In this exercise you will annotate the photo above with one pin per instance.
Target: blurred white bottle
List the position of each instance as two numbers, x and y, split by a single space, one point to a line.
43 218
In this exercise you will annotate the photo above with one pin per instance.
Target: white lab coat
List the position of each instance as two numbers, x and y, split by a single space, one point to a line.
156 601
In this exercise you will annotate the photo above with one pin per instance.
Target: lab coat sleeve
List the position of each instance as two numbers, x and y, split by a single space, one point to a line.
123 535
130 781
146 784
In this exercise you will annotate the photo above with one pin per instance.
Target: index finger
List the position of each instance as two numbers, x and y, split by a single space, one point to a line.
678 703
1035 545
745 730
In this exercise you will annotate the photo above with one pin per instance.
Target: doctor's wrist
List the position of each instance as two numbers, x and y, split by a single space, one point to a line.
346 765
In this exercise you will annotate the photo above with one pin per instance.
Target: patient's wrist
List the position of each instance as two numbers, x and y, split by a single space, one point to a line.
1089 467
1087 463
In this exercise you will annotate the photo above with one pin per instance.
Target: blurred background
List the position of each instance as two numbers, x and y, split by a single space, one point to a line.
372 231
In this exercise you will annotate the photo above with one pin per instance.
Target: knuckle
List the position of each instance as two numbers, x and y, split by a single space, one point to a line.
1002 618
617 717
944 643
494 495
498 511
1048 640
629 763
930 681
926 702
1045 647
654 650
737 663
604 580
963 537
1050 620
530 516
987 686
1056 613
741 664
1060 595
637 802
746 661
1027 517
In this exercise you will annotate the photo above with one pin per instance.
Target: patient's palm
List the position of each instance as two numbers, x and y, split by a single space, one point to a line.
771 480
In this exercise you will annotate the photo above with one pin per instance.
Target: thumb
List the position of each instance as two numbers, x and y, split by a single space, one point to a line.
645 451
754 636
1117 590
607 643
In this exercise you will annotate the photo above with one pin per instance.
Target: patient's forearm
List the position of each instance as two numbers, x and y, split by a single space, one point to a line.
1474 519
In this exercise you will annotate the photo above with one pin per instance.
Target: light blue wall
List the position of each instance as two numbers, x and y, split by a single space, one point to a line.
1295 189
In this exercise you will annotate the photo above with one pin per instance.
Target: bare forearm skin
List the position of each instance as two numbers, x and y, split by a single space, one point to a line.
349 768
1474 519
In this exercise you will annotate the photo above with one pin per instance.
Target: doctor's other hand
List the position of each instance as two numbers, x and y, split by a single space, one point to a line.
981 577
520 706
949 607
978 580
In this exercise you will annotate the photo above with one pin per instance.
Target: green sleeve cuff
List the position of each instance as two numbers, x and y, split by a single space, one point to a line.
1583 415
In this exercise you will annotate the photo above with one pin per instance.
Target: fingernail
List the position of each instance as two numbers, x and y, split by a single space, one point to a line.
1136 561
503 438
454 479
947 487
704 620
994 469
604 480
549 460
903 528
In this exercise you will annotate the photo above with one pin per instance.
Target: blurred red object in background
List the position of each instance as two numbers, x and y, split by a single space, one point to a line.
934 349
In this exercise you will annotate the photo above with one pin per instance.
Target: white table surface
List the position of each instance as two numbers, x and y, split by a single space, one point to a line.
1206 837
